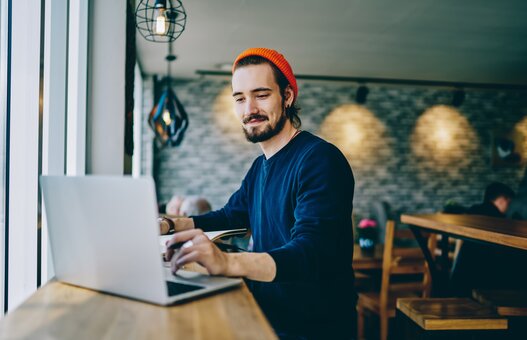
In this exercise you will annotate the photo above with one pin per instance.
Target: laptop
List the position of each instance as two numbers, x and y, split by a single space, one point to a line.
104 236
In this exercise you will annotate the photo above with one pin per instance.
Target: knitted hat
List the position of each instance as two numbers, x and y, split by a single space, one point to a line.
276 59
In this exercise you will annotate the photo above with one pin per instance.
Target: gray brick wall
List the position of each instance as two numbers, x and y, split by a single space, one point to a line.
214 155
389 142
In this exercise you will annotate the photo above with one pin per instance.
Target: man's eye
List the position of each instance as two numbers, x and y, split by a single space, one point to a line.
238 100
262 96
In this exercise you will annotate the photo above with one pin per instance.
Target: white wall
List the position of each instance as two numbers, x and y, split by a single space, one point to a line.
138 119
106 87
77 86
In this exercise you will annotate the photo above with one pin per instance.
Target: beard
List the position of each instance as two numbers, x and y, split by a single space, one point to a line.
268 131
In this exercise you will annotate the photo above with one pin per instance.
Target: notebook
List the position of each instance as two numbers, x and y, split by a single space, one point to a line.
211 235
104 236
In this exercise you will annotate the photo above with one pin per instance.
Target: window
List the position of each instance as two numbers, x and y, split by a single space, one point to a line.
3 105
43 67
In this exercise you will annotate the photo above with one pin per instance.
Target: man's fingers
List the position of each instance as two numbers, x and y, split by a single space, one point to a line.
177 252
187 250
200 238
180 261
184 236
186 239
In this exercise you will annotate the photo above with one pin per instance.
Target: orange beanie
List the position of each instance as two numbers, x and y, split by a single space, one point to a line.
274 57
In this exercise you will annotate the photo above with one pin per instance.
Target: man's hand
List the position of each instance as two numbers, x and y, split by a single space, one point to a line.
168 225
196 248
183 223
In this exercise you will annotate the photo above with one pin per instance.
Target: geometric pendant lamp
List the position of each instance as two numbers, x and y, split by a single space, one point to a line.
168 119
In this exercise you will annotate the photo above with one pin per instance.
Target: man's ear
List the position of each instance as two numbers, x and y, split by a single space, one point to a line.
289 96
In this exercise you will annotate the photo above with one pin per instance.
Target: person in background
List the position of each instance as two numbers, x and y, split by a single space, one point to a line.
518 207
194 206
174 205
496 201
296 198
488 266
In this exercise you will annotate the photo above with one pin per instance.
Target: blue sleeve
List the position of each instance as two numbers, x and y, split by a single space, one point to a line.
322 236
233 215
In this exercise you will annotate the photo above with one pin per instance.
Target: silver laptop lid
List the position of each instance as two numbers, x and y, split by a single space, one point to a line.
104 235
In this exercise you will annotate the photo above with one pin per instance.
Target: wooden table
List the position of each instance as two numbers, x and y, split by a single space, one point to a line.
502 231
505 232
61 311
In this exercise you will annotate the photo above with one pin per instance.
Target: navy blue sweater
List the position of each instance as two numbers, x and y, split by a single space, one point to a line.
298 205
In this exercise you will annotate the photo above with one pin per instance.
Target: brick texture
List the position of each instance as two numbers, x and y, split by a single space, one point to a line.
406 145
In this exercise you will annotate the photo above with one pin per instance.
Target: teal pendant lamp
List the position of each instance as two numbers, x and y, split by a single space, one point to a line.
168 118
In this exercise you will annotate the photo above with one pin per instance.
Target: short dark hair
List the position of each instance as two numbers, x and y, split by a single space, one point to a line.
292 111
497 189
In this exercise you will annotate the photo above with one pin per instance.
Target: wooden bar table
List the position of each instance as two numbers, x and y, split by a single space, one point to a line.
505 232
61 311
510 233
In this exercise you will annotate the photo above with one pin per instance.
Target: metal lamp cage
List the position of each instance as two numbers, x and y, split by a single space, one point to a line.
168 119
175 19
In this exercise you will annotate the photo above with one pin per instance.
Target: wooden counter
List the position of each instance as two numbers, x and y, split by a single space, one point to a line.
501 231
510 233
61 311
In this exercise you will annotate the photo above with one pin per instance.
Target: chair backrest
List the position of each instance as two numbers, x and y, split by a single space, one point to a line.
381 212
404 262
453 248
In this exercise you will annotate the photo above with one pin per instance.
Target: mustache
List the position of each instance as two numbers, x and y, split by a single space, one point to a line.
254 116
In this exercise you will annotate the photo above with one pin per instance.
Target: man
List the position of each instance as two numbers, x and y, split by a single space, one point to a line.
487 266
496 201
297 199
518 207
173 206
194 205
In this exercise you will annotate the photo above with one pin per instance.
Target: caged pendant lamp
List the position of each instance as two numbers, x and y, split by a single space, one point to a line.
168 118
160 20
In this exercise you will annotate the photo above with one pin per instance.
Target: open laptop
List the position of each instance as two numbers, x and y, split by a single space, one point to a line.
104 236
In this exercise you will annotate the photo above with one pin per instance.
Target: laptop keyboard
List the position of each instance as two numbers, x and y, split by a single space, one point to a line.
180 288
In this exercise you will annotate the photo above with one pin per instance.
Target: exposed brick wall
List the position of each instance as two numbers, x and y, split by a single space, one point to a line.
391 142
213 157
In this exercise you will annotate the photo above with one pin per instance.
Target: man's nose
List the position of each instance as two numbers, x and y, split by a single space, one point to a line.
250 107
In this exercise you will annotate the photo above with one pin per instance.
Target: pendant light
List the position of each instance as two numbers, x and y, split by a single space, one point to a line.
168 117
160 20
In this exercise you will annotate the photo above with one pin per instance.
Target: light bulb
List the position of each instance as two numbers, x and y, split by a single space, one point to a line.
166 117
161 21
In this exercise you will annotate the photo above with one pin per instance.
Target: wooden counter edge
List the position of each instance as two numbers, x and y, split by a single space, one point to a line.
465 231
44 297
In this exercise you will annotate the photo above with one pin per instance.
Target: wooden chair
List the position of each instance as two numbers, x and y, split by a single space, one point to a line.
401 262
453 248
363 282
